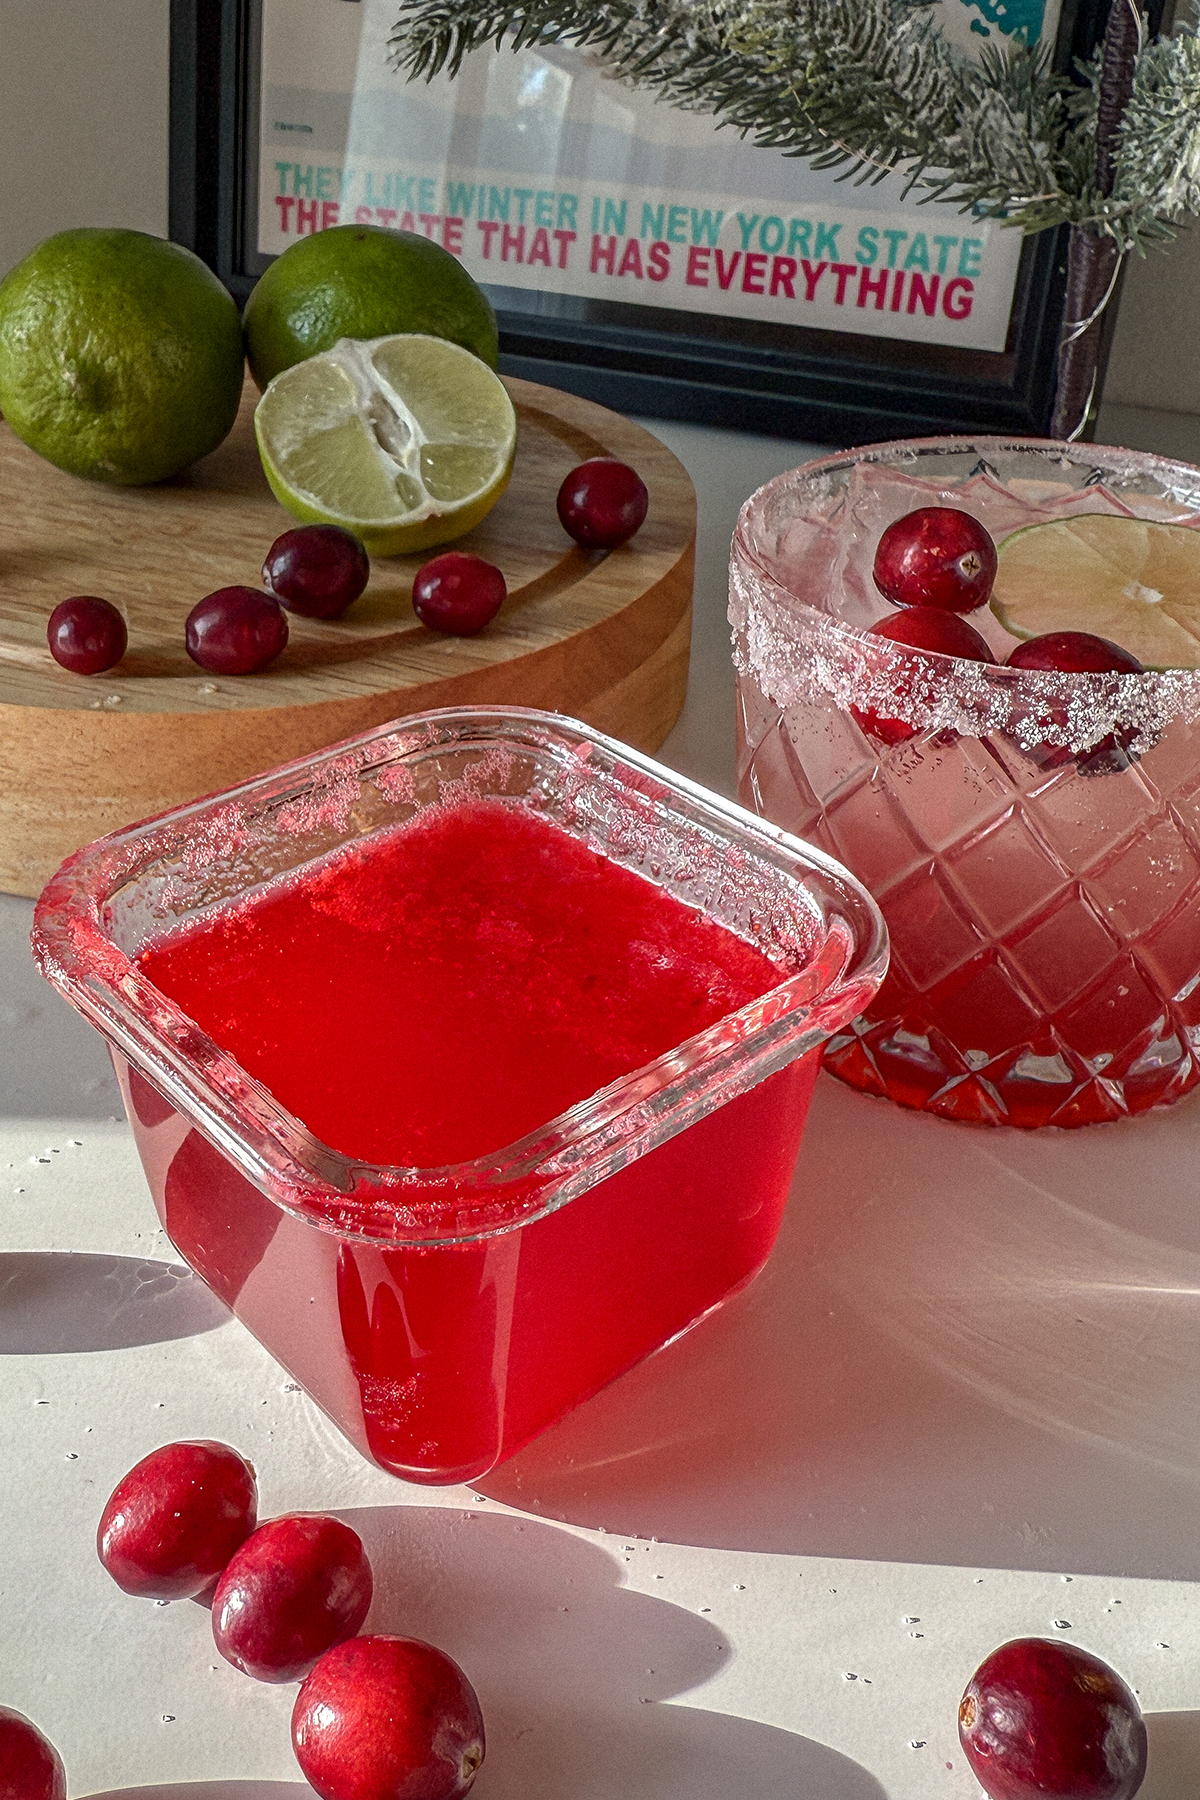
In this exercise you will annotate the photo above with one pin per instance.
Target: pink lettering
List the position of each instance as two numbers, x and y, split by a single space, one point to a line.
958 297
843 271
783 276
754 273
725 275
811 277
602 252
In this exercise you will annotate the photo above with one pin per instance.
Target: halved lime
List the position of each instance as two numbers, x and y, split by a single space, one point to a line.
406 441
1133 581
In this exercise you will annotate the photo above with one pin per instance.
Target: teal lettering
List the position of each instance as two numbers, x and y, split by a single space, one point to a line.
706 227
771 234
918 253
827 241
653 218
945 246
614 216
676 224
799 232
566 213
460 199
868 246
970 256
894 241
543 208
746 227
499 201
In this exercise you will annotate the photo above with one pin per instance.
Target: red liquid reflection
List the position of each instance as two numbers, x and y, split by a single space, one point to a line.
440 1362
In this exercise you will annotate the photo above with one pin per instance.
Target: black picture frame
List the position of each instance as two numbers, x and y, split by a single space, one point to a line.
792 381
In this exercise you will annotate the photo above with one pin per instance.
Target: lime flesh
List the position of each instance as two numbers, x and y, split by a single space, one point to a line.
407 441
1133 581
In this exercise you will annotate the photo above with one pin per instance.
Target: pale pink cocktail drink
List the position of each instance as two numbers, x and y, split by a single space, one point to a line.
1034 844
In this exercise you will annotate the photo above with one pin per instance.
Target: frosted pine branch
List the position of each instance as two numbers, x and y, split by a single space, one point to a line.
871 86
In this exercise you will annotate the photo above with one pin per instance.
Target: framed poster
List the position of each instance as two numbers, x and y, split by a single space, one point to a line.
634 253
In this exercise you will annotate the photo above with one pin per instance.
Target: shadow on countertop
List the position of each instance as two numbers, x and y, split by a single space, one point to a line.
62 1301
53 1064
971 1346
574 1669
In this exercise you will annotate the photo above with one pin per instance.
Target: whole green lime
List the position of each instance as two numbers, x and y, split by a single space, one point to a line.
362 281
120 355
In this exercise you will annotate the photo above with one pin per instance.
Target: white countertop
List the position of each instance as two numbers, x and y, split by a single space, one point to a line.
961 1404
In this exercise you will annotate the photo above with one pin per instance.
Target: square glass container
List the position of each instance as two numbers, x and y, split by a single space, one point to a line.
443 1316
1032 837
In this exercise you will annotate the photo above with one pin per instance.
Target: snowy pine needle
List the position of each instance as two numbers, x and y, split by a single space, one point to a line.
873 86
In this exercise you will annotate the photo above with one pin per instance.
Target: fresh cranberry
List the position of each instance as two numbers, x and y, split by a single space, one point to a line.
1042 1720
936 556
923 628
30 1766
296 1586
1079 653
86 634
318 570
174 1521
388 1718
236 631
1074 653
458 593
932 628
602 503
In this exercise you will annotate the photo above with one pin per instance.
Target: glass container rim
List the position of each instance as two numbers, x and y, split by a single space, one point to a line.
295 1169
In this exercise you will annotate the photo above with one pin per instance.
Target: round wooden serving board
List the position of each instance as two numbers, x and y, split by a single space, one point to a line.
603 637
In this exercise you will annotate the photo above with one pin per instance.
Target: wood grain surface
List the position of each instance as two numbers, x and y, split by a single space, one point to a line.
604 637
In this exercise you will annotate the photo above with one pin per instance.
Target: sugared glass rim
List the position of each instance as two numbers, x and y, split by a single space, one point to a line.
807 649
